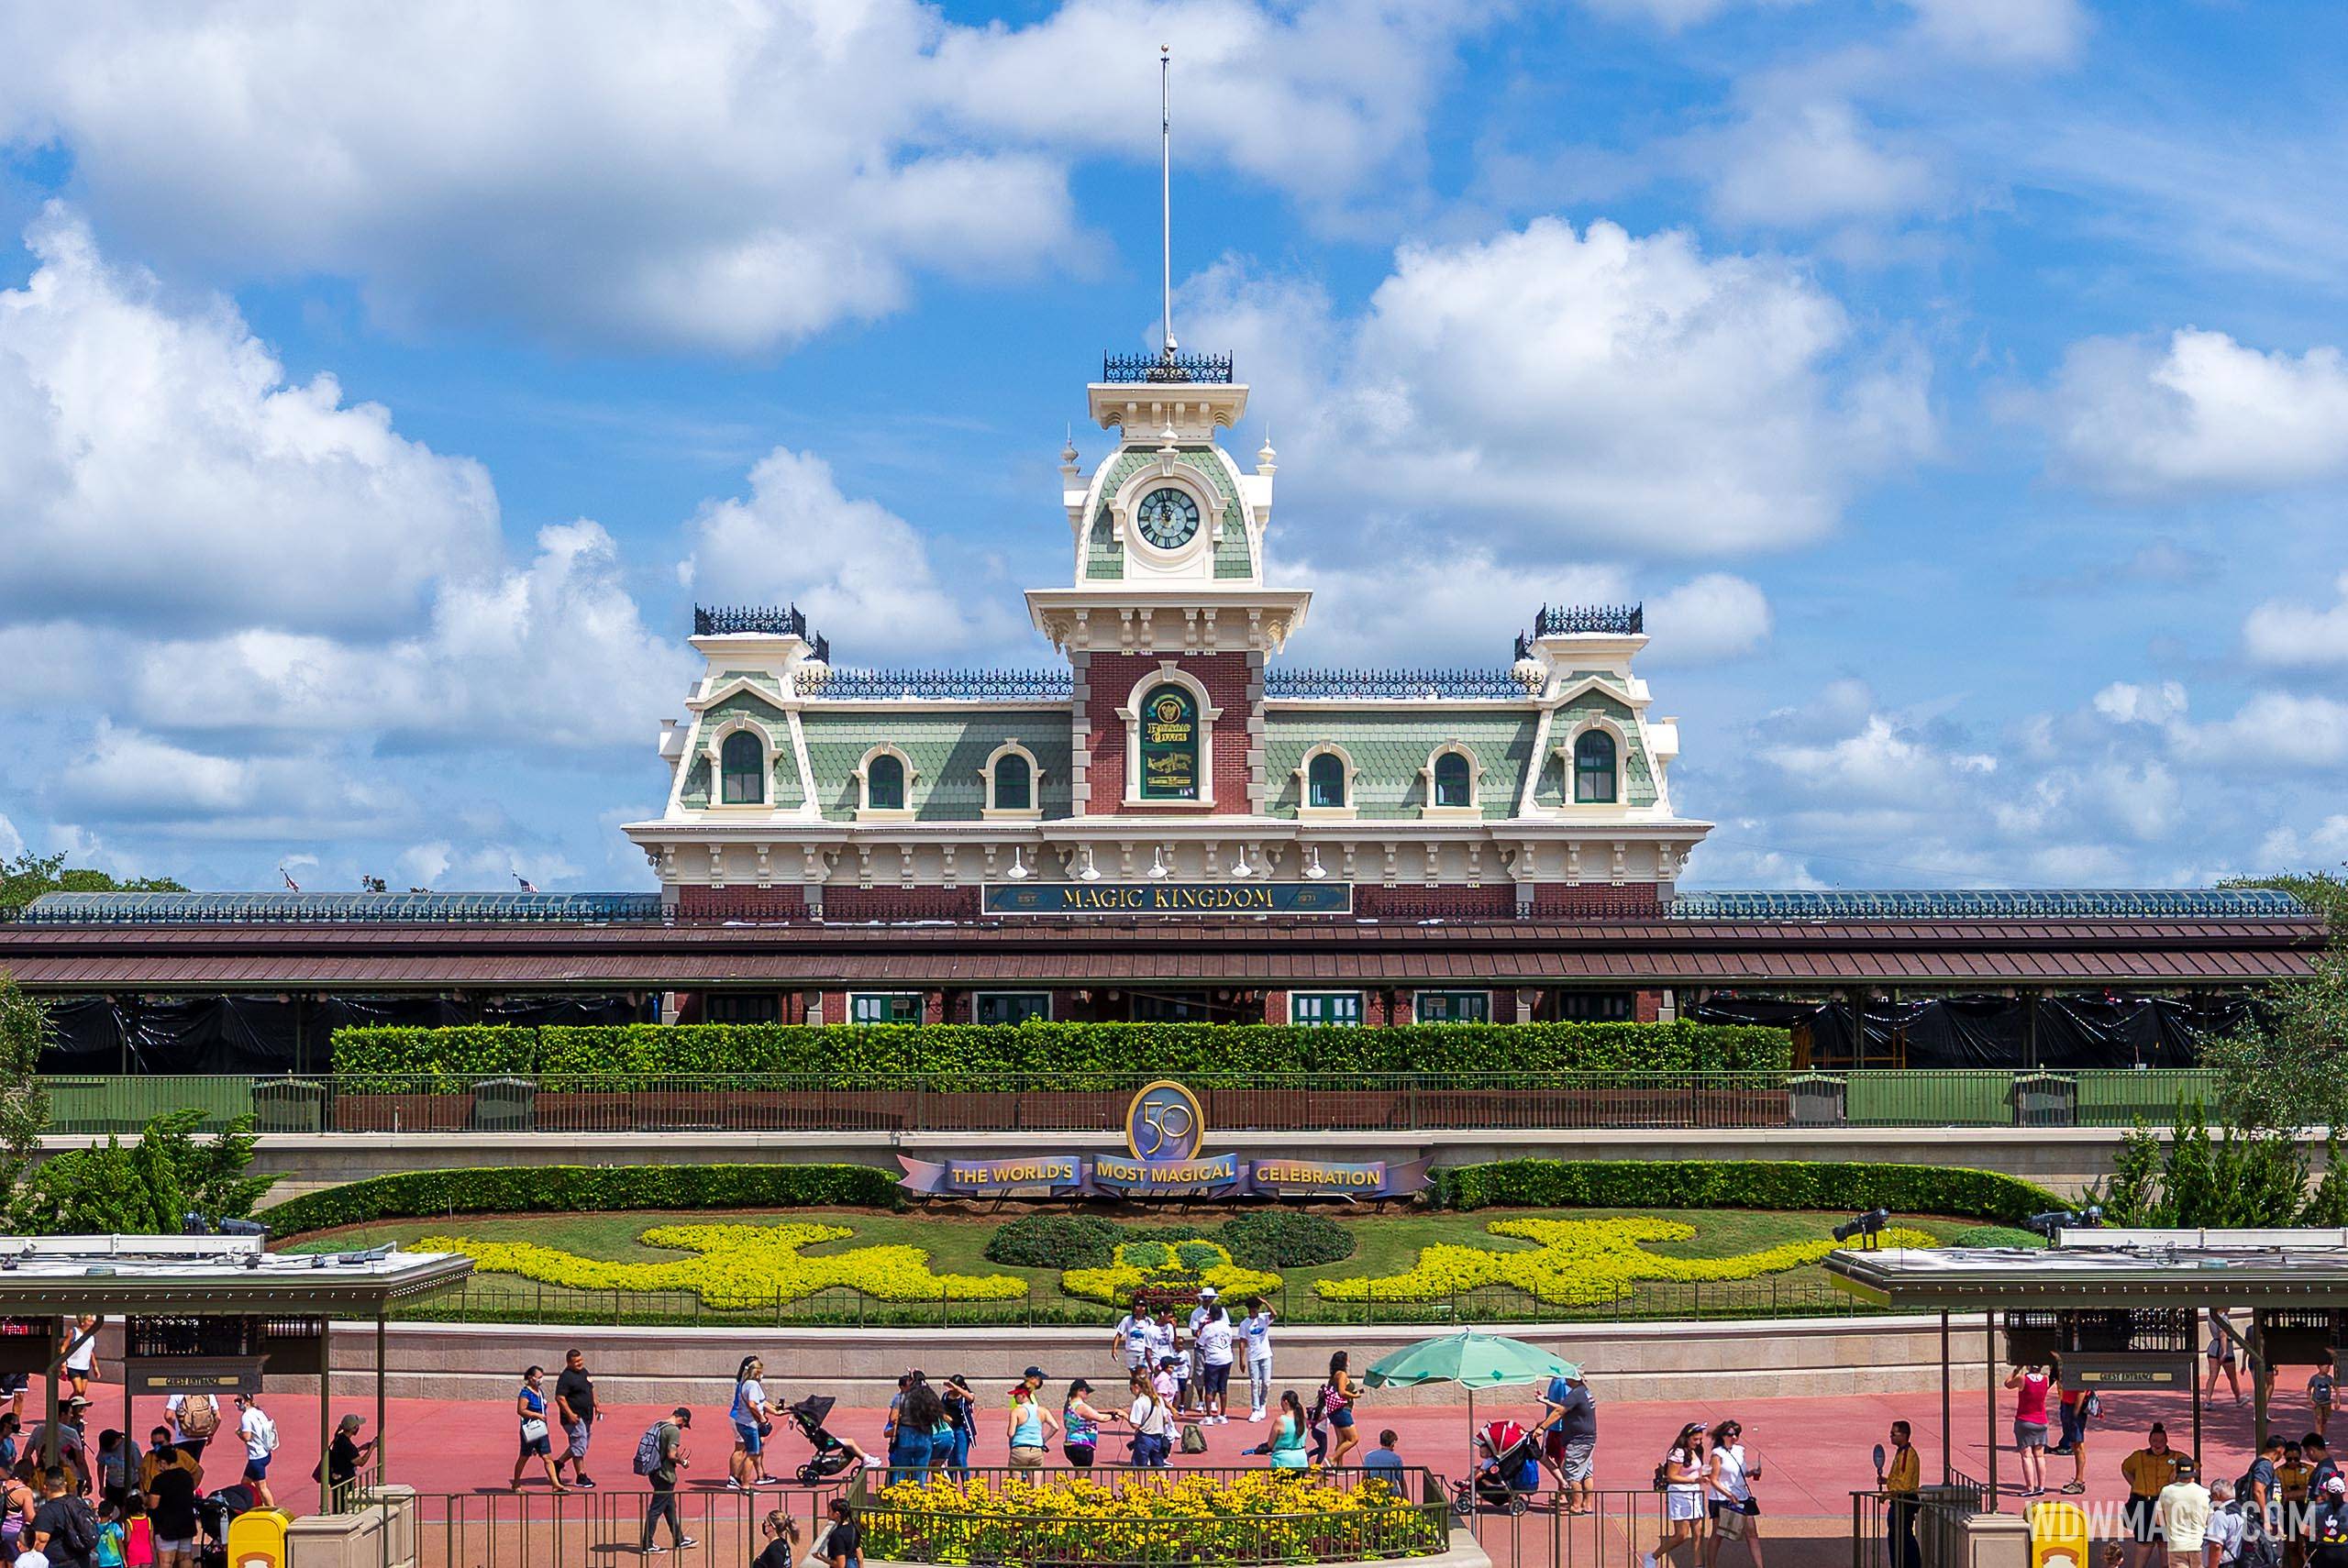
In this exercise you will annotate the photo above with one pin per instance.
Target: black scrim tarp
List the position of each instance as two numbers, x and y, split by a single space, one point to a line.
2091 1029
264 1034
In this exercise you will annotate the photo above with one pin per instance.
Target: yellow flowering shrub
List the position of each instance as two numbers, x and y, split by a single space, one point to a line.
740 1266
1176 1262
1581 1263
1075 1516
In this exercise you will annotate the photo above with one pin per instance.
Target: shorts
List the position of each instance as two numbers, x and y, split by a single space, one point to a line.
1342 1419
1081 1455
1750 1507
580 1433
1575 1465
2138 1512
537 1445
2029 1434
1682 1506
187 1546
1215 1378
257 1469
746 1434
1024 1457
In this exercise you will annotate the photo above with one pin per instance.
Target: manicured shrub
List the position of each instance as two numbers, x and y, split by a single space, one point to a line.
1056 1241
1740 1184
1993 1236
1073 1055
1283 1238
529 1189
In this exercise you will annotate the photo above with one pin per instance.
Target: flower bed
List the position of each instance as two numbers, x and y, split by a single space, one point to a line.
1579 1263
741 1266
1176 1262
1254 1516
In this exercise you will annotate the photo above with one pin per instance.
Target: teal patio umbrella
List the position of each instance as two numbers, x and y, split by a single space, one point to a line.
1473 1361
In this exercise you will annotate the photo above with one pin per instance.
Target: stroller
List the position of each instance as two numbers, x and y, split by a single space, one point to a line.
1508 1476
213 1515
832 1456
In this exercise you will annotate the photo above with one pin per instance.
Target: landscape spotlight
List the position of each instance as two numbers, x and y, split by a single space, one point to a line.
2055 1220
1864 1226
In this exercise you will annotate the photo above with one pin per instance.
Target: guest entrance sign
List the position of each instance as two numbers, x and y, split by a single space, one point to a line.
1165 1131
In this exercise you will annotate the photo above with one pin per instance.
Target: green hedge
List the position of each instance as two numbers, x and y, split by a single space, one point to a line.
1740 1184
528 1189
1103 1053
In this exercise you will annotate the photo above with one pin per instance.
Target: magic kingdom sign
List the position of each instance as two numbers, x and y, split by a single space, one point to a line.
1168 898
1165 1131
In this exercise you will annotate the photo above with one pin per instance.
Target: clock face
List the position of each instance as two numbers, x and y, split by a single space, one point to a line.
1168 517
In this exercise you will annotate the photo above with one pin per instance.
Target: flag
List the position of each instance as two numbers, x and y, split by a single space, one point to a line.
290 883
528 886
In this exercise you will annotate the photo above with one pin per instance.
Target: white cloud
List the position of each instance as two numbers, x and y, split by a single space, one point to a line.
2280 632
154 458
732 177
2125 703
2018 32
2203 412
127 775
1798 164
860 571
1705 619
1464 606
2288 729
12 843
1545 388
2325 846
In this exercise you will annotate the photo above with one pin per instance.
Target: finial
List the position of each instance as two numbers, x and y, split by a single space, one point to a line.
1068 452
1166 439
1265 455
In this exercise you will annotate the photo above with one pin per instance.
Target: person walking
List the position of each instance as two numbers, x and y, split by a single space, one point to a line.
345 1455
1901 1483
2148 1470
2075 1407
753 1417
2030 1385
1135 1335
1336 1405
574 1404
781 1532
2222 1356
1257 1331
2181 1513
537 1433
1728 1482
1029 1427
2320 1387
667 1456
82 1361
1569 1425
962 1414
1152 1424
1081 1425
1214 1339
1682 1474
260 1444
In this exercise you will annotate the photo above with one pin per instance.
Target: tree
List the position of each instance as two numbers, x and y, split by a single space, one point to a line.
146 1189
24 1099
29 876
2289 1071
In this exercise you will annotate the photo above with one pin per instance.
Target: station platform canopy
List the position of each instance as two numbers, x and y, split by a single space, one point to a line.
209 1276
2108 1268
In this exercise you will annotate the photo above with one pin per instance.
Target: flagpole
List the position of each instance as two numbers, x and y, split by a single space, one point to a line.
1166 193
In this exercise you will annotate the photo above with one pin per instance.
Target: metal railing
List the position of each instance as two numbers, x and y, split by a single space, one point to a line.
1413 1522
1903 1530
1393 683
965 685
537 1529
1169 366
1094 1103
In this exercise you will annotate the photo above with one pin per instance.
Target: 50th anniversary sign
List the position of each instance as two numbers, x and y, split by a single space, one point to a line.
1165 1128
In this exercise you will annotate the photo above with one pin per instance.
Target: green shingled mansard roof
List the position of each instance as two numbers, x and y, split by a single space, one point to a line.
783 763
948 751
1104 558
1390 748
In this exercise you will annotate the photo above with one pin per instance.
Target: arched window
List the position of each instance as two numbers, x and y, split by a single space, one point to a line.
742 765
1451 786
1594 766
1325 781
1169 745
885 784
1013 785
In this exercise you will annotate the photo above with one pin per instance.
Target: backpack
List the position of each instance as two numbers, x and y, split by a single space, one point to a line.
199 1416
1321 1407
2092 1406
265 1429
647 1450
81 1529
1194 1439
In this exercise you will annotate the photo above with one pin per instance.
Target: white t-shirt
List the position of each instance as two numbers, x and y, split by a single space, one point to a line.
749 1402
1149 1416
1214 1342
1730 1461
1259 1330
259 1431
1161 1341
1138 1334
84 1353
172 1417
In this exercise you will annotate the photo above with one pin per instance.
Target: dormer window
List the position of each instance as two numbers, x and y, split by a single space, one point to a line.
742 770
1325 783
1013 781
1594 769
1453 786
884 779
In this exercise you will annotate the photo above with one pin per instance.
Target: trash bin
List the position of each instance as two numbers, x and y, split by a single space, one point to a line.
1818 1099
2045 1100
505 1105
290 1105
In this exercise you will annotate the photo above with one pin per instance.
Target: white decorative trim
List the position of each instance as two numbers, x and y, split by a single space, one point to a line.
1563 751
865 811
713 748
1475 806
1169 673
1305 810
1164 474
1033 810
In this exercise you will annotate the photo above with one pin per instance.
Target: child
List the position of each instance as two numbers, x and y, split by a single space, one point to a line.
2319 1393
137 1535
110 1535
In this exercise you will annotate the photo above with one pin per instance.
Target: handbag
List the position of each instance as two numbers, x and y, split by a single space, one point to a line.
534 1429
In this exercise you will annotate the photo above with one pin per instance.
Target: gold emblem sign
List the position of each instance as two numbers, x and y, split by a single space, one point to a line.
1164 1122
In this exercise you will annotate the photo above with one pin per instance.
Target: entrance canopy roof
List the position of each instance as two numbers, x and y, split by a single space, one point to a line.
2108 1269
163 1276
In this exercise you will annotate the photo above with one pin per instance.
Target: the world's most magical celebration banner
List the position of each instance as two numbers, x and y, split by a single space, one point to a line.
1164 1129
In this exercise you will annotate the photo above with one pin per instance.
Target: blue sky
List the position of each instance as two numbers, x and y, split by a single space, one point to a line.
1956 381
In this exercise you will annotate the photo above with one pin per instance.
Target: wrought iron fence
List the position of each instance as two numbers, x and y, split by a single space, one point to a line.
1166 366
764 620
1615 620
1094 1103
967 685
1392 683
537 1529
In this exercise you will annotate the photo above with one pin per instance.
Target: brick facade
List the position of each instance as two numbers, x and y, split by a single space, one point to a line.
1232 680
695 903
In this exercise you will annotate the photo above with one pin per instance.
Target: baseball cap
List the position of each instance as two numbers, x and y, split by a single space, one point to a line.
1034 1372
1080 1386
681 1416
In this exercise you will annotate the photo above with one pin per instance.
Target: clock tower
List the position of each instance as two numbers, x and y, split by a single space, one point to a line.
1166 620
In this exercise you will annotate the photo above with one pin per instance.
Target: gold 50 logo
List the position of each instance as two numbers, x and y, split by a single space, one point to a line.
1164 1122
